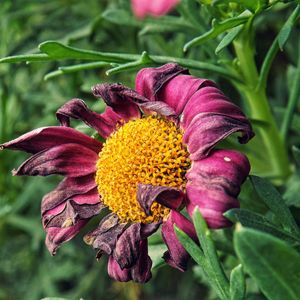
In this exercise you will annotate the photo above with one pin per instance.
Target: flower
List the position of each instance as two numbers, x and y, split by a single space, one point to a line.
155 8
158 157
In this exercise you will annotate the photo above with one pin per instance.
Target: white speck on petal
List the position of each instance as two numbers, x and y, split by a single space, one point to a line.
227 158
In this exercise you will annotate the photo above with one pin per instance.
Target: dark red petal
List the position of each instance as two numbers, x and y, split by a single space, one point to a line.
150 80
126 251
115 272
208 129
72 213
47 137
105 236
176 256
68 188
149 229
56 235
214 183
167 196
178 91
71 160
104 123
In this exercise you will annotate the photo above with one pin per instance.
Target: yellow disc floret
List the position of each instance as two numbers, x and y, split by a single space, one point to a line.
145 151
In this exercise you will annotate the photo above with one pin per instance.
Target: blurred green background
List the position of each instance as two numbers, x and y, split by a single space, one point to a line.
27 101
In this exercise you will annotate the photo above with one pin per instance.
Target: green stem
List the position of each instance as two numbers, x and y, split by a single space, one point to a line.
292 102
276 153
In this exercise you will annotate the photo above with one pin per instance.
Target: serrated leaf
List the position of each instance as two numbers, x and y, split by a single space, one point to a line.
228 38
218 28
287 27
275 202
253 220
273 264
237 283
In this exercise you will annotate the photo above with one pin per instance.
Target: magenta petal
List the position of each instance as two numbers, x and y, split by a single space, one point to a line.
126 251
176 256
178 91
150 80
208 129
70 187
214 183
71 214
167 196
115 272
69 159
156 8
105 236
56 235
47 137
104 123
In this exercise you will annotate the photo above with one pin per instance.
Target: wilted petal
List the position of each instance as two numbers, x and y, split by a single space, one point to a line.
68 188
167 196
71 214
71 160
115 272
176 256
56 235
47 137
150 80
156 8
214 183
105 236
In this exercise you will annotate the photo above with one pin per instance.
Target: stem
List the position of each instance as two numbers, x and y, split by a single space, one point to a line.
292 102
276 152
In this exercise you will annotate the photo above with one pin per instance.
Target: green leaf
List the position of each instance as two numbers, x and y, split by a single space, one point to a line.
26 57
57 50
228 38
120 17
253 220
237 283
218 28
275 202
287 27
273 264
156 252
296 154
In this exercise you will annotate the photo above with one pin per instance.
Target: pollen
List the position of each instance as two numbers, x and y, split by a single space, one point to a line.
142 151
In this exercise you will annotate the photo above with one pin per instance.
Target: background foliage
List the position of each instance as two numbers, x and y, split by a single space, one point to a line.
31 93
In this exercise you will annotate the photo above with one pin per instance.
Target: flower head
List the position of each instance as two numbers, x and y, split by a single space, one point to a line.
155 8
158 157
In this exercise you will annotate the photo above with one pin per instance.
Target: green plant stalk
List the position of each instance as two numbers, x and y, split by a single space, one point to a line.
276 152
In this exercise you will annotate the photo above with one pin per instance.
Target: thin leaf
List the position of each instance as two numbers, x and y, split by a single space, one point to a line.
237 283
273 264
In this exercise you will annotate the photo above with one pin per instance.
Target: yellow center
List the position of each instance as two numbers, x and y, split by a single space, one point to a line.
145 151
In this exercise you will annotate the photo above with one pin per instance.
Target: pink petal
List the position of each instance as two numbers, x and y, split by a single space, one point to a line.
214 183
115 271
142 8
176 256
47 137
69 159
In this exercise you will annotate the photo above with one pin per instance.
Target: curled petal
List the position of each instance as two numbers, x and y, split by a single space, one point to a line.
69 159
104 123
150 80
208 129
105 236
71 214
68 188
214 183
115 272
156 8
47 137
176 256
126 102
167 196
57 235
